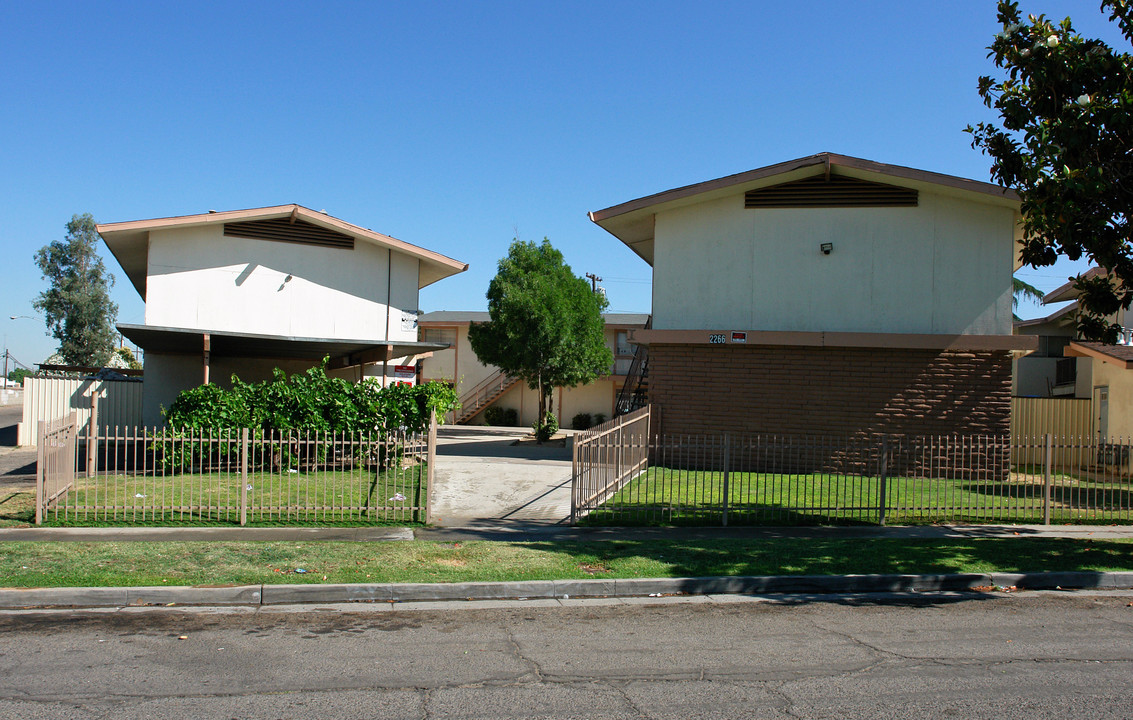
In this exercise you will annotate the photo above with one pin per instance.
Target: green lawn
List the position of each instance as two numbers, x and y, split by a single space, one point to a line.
346 496
47 564
666 496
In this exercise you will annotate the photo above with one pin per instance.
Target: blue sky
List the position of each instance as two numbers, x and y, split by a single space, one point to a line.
458 126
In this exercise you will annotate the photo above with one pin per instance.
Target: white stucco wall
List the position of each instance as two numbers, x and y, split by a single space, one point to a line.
167 375
942 267
198 278
461 366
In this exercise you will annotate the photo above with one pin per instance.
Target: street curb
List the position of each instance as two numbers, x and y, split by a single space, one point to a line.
552 589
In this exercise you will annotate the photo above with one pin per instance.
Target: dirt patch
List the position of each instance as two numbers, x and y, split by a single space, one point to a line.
451 562
593 568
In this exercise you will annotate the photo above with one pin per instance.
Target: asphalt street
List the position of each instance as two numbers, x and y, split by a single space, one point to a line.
1029 655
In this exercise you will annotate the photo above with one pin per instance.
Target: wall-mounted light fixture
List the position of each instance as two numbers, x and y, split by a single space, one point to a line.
826 248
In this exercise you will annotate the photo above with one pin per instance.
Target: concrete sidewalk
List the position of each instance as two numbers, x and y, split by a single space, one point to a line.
526 531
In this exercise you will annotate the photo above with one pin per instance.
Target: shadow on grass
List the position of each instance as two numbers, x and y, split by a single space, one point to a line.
736 559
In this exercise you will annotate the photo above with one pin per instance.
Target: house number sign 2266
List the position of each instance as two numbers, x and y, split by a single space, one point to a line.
717 338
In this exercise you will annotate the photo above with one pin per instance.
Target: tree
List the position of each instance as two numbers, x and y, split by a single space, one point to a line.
545 325
17 376
1065 143
126 355
1023 290
77 306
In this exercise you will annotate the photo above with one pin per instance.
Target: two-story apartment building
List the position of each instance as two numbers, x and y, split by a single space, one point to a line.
481 386
828 295
247 291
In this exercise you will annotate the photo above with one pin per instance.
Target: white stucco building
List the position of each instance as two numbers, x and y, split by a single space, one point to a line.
246 291
828 294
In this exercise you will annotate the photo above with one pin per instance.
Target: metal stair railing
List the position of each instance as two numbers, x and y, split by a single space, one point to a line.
631 396
487 390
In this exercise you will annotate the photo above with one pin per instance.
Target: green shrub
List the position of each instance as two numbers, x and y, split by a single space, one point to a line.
307 402
544 432
496 415
581 421
599 418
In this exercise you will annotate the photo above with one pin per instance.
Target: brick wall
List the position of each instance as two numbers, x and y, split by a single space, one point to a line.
819 391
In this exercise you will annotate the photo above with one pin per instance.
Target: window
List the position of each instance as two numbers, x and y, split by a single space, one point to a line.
621 344
439 335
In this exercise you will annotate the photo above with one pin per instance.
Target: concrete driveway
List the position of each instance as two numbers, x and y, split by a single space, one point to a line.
482 480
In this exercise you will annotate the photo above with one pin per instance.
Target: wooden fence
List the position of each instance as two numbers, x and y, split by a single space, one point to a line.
1061 417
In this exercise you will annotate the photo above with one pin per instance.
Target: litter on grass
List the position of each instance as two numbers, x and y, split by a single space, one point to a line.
139 495
398 497
300 570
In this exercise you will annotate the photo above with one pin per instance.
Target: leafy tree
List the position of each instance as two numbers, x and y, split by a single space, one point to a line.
17 376
1065 143
545 325
77 306
127 357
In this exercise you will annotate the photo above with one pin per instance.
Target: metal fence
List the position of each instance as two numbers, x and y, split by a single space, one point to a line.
239 476
112 402
779 480
55 463
607 457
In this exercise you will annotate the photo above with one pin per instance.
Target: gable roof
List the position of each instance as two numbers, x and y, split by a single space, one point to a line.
1062 313
632 221
129 241
1119 355
1067 291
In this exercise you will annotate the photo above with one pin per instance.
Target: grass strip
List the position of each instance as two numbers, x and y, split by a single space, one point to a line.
71 564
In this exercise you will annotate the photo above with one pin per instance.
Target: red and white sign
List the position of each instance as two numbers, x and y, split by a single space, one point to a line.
739 337
405 373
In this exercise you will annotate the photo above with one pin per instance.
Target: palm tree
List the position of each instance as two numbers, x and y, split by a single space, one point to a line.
1023 289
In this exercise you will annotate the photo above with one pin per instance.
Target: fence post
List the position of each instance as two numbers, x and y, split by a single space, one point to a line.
431 468
1048 460
40 472
884 469
573 479
244 476
92 435
724 517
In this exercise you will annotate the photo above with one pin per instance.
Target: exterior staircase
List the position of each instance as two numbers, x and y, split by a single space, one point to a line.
483 395
635 390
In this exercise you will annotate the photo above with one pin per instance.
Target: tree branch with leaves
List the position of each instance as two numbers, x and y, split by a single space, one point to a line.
1064 142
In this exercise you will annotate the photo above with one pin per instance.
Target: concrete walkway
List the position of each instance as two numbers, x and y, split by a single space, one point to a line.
483 480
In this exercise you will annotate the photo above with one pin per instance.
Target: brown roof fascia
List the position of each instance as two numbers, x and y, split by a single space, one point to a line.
823 159
293 210
907 341
1056 315
1077 349
1066 290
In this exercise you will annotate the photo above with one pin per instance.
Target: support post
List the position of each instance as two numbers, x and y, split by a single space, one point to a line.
1048 461
430 471
724 517
883 471
244 476
573 480
41 472
92 436
207 351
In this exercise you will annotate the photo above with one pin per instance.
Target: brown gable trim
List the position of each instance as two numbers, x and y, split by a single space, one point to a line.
830 192
910 341
822 159
1076 349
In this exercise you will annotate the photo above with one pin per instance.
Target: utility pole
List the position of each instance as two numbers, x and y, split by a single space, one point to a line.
594 280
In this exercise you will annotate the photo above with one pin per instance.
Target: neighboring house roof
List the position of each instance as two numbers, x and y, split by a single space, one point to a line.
1067 291
1059 314
128 241
632 222
460 317
1119 355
